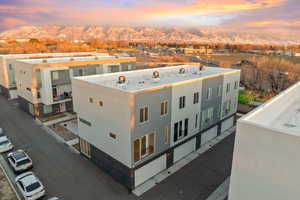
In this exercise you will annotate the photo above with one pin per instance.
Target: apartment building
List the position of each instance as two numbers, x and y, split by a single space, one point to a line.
265 160
44 85
8 62
135 124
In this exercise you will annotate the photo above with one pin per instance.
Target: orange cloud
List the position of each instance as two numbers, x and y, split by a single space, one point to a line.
10 22
273 23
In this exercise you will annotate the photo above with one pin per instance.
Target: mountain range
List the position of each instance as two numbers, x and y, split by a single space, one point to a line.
148 33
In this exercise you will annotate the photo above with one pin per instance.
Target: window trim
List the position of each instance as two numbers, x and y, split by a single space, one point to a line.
164 108
145 115
196 98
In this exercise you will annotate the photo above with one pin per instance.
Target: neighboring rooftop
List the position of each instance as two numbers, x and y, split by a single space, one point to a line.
143 79
69 59
51 54
281 113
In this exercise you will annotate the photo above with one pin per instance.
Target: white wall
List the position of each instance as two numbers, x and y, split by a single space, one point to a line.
113 117
209 135
151 169
265 164
233 93
184 149
190 109
227 124
23 72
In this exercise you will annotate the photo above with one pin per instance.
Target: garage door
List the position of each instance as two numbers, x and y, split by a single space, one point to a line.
227 124
208 135
184 150
151 169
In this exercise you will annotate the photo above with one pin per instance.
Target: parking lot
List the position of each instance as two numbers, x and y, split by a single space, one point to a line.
67 174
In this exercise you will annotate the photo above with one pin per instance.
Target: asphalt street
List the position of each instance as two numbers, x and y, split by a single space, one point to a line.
70 175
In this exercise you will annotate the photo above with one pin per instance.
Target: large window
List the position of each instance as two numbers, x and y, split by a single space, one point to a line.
181 102
236 85
196 121
164 108
166 135
207 116
208 93
220 90
143 114
228 87
180 129
196 97
144 146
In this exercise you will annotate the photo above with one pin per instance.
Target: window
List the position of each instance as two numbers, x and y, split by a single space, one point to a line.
55 75
210 113
85 122
196 121
48 109
228 87
112 135
164 108
143 146
91 100
207 116
209 93
235 85
166 135
181 102
220 90
196 97
179 130
186 126
143 114
100 103
10 67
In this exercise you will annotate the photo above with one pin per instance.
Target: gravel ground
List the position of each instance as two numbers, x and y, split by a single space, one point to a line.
6 193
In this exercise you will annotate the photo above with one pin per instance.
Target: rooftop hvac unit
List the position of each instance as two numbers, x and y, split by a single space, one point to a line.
122 80
155 74
96 58
201 67
72 59
45 61
181 71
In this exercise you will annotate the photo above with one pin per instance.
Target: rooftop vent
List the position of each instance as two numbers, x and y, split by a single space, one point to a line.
201 67
155 74
72 59
122 80
181 71
45 61
96 58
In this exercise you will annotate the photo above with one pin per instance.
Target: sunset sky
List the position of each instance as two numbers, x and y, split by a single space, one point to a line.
241 14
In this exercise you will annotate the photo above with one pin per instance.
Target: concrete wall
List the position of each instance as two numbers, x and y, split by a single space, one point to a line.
24 80
190 109
265 164
232 95
156 122
113 117
213 102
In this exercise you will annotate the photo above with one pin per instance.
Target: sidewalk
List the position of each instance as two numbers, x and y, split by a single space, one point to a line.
6 191
180 164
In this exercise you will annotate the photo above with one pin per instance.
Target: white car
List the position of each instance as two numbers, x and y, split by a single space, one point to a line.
5 144
19 160
1 132
30 186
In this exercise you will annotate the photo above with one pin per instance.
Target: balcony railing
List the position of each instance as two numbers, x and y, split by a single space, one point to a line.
65 95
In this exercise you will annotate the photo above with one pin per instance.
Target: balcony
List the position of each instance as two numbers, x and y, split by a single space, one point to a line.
63 96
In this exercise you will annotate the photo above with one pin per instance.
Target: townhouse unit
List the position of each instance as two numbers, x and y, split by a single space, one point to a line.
136 124
265 160
7 68
44 85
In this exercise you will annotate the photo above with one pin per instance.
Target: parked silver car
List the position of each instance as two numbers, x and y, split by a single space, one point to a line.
5 144
30 186
19 161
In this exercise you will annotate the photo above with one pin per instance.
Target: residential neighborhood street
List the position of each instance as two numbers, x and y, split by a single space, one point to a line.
70 175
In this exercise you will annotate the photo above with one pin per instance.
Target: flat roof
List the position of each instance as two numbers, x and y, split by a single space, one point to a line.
138 80
68 59
281 113
50 54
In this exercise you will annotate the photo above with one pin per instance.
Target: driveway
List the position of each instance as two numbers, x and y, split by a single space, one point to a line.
70 175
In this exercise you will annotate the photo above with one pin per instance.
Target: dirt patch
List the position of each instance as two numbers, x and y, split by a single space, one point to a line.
6 193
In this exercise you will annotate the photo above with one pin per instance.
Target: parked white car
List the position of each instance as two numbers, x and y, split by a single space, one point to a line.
19 161
30 186
5 144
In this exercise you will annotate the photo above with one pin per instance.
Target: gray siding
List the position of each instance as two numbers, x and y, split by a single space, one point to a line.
214 102
156 122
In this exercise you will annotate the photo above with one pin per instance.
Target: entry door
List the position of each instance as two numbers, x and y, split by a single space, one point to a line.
85 148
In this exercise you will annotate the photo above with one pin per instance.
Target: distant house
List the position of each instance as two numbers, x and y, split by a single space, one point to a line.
297 54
